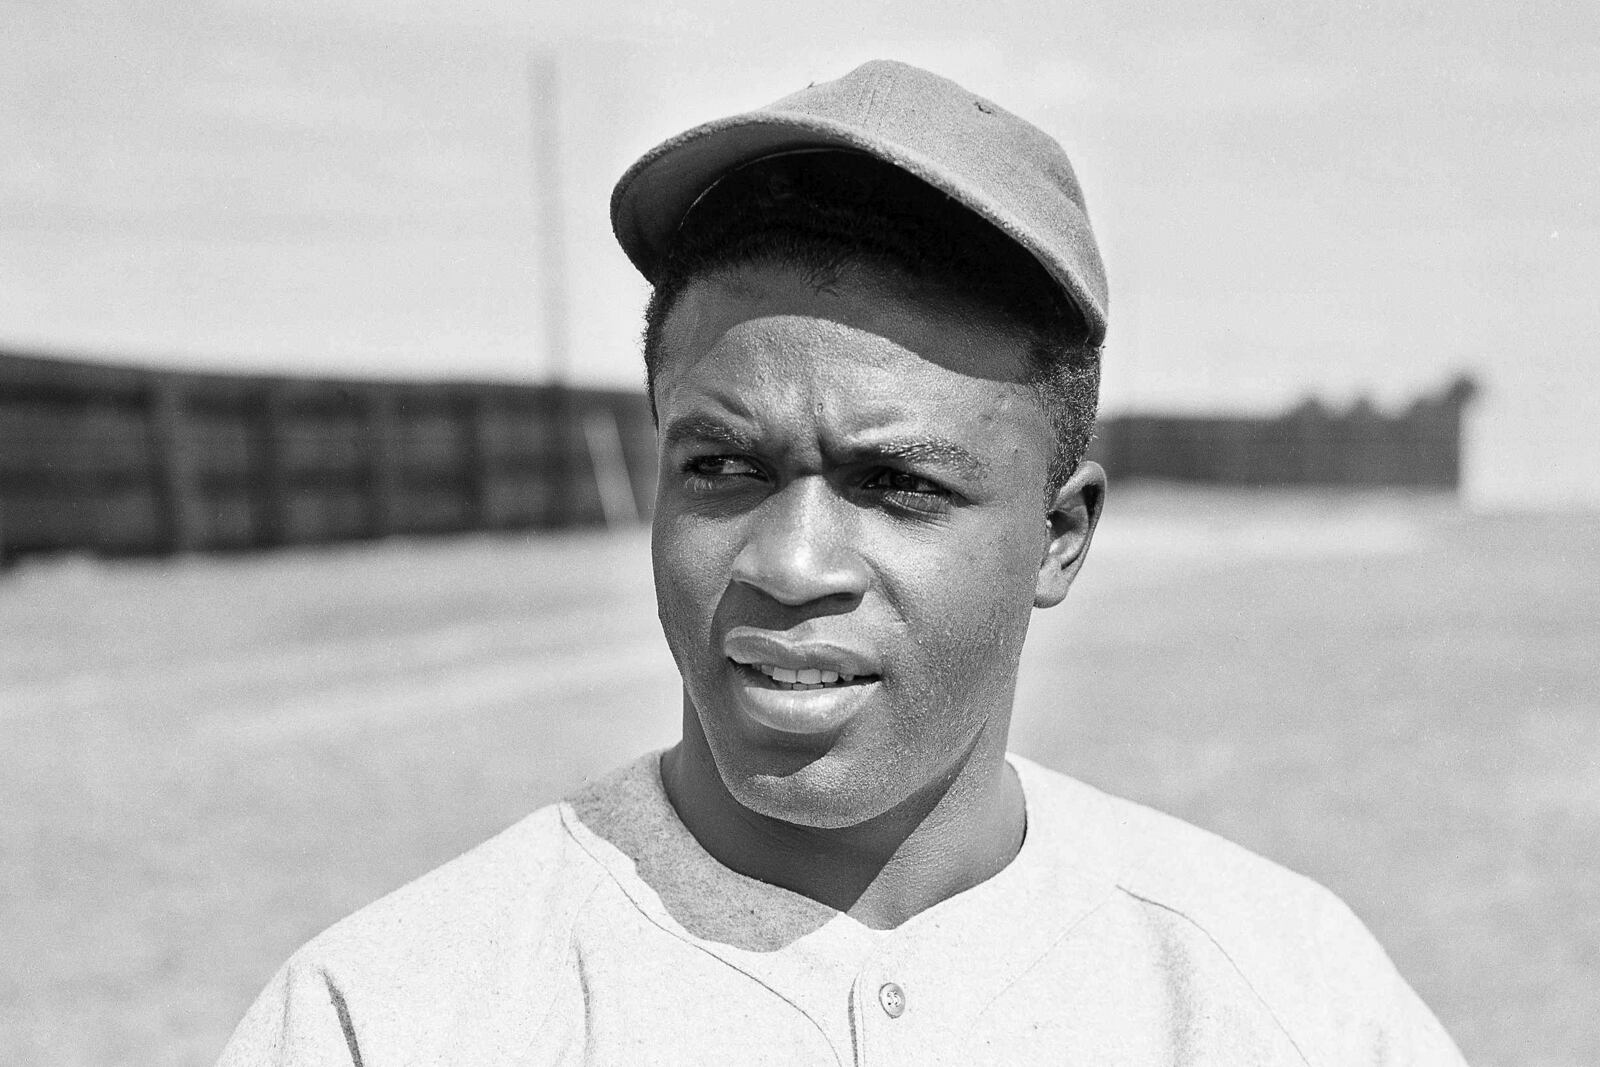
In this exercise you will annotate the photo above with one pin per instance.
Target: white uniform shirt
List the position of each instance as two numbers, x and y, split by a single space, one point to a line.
598 931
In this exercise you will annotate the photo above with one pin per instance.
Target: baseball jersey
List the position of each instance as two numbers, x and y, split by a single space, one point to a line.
598 931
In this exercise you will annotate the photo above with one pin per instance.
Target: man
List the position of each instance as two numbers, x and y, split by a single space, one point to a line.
873 352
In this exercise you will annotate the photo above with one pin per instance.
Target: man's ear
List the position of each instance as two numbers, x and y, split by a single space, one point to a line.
1074 513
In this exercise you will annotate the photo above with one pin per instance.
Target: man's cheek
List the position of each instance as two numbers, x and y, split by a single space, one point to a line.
686 566
684 610
966 649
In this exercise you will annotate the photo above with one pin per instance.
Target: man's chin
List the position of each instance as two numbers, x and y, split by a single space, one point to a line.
824 790
800 757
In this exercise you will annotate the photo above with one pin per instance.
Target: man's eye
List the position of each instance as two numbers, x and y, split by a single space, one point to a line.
909 491
708 470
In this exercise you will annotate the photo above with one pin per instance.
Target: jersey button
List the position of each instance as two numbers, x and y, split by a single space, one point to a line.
893 999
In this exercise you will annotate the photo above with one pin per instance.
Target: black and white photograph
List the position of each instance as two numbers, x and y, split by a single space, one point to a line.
849 534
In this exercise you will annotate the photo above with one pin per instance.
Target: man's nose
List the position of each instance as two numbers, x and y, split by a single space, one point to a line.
801 546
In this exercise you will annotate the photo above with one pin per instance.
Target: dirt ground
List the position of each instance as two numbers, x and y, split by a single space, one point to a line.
205 761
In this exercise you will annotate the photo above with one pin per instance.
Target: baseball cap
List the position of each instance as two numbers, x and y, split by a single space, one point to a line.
1002 168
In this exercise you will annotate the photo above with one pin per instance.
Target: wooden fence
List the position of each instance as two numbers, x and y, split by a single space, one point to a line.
1417 448
118 460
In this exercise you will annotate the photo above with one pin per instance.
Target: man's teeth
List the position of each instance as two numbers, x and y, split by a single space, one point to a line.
805 676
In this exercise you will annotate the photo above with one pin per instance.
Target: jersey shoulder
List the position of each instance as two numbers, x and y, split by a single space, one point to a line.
1169 862
1312 963
499 893
471 955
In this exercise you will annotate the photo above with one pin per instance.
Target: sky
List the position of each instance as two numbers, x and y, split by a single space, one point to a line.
1292 199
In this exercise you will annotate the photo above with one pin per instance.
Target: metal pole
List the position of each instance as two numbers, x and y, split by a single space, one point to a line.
544 86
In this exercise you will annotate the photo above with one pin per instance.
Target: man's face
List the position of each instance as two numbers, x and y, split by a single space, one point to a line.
848 534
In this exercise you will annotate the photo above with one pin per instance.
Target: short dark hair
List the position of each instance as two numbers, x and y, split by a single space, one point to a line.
823 211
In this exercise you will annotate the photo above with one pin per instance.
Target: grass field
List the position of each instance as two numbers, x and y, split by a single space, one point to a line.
203 762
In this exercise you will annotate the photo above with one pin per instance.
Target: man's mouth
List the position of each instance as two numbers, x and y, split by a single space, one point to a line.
803 687
804 678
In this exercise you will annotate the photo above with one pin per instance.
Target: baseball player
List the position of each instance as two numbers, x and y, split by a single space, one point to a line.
873 356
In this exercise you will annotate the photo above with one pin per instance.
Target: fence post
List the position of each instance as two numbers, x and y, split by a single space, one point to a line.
174 465
568 459
1454 401
268 489
383 463
610 467
473 460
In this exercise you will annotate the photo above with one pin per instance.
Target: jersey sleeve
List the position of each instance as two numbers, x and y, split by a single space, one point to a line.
1418 1039
299 1020
1385 1021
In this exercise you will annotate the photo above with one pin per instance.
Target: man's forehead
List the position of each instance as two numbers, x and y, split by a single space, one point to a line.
851 279
737 408
828 402
783 313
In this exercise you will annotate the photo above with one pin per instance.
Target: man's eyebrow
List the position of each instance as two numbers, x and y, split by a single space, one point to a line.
937 451
706 428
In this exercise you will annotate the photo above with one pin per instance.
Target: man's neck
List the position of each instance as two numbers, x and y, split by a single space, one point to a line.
957 834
